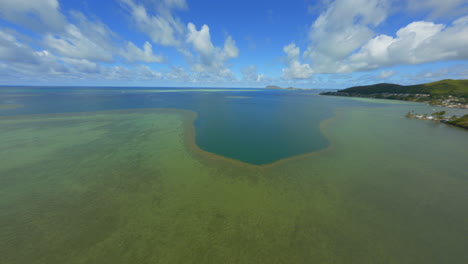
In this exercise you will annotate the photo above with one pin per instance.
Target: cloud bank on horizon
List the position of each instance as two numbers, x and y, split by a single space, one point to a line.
315 44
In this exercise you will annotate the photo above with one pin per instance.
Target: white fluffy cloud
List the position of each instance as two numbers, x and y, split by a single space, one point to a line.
230 50
94 41
12 50
438 8
251 75
295 69
23 59
39 15
83 66
132 53
201 41
75 50
209 59
344 27
162 27
74 43
418 42
20 63
343 39
146 73
76 37
386 74
292 53
339 31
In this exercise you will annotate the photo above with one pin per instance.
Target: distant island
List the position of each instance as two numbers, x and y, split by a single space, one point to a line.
448 93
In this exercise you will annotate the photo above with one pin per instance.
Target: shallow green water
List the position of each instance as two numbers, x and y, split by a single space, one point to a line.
257 126
130 187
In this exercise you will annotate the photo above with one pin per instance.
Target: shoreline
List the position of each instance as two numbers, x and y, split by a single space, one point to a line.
448 101
453 120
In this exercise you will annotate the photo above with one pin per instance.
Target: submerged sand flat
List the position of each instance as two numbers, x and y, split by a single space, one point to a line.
237 97
10 106
380 101
132 187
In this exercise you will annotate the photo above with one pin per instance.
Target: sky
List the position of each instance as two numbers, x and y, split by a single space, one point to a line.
243 43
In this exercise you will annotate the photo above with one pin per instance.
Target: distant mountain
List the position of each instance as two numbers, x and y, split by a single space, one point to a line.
440 88
449 93
273 87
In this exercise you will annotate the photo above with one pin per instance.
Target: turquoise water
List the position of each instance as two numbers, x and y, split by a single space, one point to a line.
251 125
101 176
256 126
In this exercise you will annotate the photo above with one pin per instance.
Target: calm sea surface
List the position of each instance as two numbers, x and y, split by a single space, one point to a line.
252 125
114 175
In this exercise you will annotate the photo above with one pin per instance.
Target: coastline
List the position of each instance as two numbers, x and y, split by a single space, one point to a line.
457 121
448 101
453 120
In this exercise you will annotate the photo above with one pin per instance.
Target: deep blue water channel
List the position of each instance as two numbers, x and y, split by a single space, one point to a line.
257 126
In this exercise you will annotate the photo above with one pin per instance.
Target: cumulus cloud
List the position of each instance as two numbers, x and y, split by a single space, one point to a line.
201 41
292 53
437 8
178 74
12 50
83 66
76 37
38 15
132 53
21 63
296 70
386 74
230 50
74 51
418 42
162 27
343 39
210 59
76 44
146 73
23 59
92 40
251 75
76 47
344 27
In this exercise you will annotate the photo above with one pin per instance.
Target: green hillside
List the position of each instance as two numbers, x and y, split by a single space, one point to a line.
448 87
460 122
439 88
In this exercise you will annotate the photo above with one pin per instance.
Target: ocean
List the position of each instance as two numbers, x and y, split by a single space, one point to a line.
190 175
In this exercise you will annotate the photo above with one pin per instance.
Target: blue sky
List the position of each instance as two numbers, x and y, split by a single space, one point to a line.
300 43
